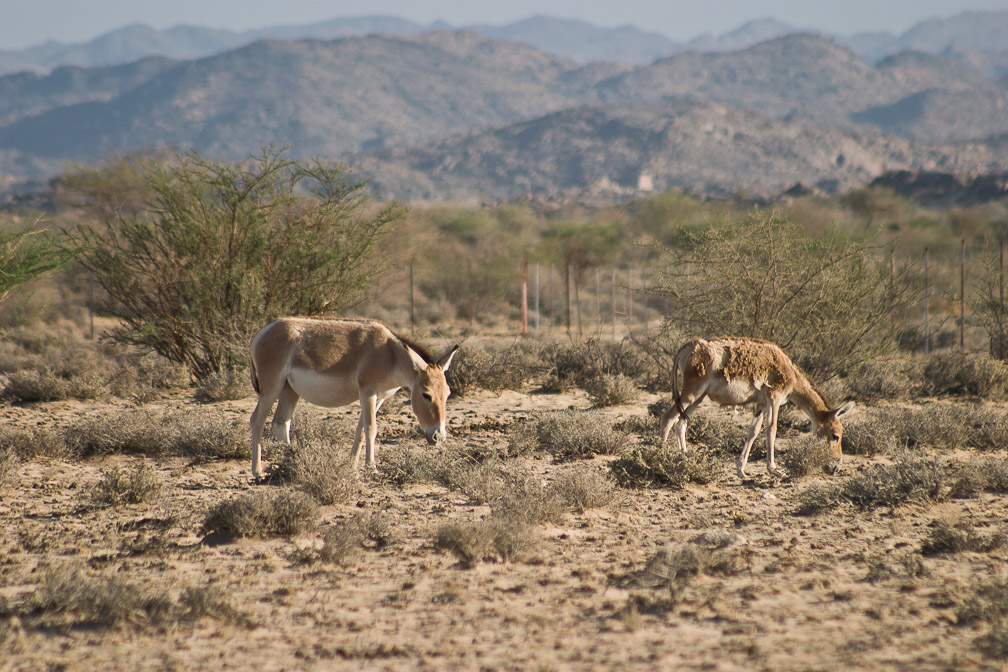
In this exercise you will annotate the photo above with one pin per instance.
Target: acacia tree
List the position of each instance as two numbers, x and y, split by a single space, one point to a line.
204 253
26 254
826 300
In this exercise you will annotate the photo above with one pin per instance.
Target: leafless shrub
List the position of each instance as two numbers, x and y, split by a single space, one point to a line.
67 596
805 455
264 513
479 366
944 537
567 435
889 379
223 385
142 376
664 466
120 486
522 496
318 469
495 538
956 372
409 463
584 488
722 435
341 542
190 434
611 390
912 479
579 363
8 463
944 426
984 474
988 604
33 443
198 602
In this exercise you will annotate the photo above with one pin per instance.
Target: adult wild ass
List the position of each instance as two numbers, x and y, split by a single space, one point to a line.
335 362
737 371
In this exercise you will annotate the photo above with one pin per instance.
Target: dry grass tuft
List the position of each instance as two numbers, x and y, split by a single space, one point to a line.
983 474
264 513
120 486
479 366
223 386
962 537
805 455
912 479
664 466
584 488
567 435
611 390
495 539
319 469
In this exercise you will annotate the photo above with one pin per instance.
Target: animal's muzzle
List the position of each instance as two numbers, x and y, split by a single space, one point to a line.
437 436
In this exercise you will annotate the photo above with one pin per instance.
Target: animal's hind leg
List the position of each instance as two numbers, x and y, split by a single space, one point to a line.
747 446
284 413
671 418
256 423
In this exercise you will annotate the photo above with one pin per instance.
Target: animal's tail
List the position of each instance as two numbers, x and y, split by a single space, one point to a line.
255 376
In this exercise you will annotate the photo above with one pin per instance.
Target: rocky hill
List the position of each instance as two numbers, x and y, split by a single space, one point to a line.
615 151
376 93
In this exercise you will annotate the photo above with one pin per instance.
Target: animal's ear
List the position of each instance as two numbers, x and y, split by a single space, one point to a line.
843 409
418 362
446 359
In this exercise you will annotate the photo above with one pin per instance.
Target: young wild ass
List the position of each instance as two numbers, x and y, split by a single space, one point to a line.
734 371
333 362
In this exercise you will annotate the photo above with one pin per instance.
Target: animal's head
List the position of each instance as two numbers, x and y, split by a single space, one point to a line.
430 394
831 431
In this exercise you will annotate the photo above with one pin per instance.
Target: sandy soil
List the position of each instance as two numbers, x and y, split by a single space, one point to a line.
827 592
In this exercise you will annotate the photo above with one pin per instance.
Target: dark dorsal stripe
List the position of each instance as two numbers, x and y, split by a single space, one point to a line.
417 348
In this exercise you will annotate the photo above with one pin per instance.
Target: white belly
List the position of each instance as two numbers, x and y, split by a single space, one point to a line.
734 392
322 390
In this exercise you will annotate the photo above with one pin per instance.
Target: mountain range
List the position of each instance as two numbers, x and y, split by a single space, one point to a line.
459 114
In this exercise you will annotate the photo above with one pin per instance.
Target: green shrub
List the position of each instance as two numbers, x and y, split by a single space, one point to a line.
194 256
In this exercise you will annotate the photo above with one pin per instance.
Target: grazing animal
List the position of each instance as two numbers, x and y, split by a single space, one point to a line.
734 371
335 362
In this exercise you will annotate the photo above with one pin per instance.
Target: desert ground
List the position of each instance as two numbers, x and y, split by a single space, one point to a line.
849 587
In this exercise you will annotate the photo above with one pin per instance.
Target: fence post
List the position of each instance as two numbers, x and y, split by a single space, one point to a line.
613 303
1001 303
412 303
537 297
629 299
598 303
524 299
892 290
643 281
962 295
927 329
91 306
567 292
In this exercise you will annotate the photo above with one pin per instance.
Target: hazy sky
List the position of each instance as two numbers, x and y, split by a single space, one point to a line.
26 23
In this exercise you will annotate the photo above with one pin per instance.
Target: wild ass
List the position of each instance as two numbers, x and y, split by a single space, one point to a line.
733 371
335 362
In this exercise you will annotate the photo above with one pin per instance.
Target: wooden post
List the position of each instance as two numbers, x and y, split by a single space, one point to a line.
643 282
567 287
577 300
524 297
892 290
598 303
613 303
91 304
552 297
629 299
962 295
412 303
927 328
469 295
537 297
1001 303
